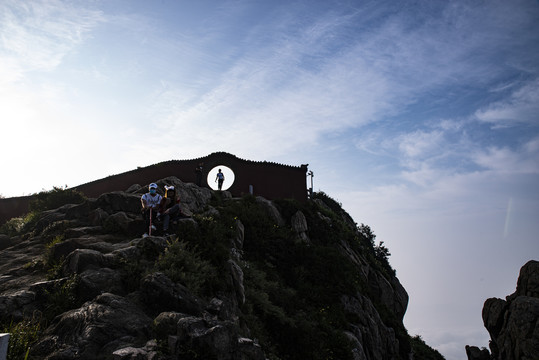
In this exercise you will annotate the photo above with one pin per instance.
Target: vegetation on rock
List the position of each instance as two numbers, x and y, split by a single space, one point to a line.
237 269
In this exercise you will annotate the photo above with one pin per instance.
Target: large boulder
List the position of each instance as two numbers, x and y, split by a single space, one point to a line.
212 340
161 294
299 225
193 199
513 324
371 336
62 249
272 211
94 282
236 280
119 201
474 353
83 259
13 307
95 330
165 324
389 292
528 280
150 351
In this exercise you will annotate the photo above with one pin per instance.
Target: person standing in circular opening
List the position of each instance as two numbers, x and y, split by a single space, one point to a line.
220 178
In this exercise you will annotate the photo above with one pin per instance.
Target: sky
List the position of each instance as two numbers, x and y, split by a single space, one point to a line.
420 117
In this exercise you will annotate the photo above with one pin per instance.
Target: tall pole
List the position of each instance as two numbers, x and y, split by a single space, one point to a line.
311 174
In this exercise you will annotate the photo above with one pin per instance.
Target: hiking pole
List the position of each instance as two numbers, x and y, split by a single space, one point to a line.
150 229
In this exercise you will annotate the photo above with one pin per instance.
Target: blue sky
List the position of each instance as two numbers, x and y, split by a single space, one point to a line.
420 117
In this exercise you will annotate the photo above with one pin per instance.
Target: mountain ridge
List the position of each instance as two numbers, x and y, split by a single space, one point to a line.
243 278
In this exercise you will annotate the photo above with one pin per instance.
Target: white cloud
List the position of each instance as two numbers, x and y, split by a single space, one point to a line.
524 160
39 34
521 107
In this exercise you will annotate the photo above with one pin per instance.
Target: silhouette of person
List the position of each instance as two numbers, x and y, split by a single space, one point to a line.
198 171
220 178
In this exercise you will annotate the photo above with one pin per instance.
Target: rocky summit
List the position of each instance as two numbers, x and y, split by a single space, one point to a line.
513 323
237 279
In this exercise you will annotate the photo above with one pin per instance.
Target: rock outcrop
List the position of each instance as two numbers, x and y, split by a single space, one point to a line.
213 291
513 323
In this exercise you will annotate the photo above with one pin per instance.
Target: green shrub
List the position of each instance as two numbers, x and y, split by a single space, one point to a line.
12 227
133 271
185 265
52 265
61 298
22 335
52 199
422 351
290 306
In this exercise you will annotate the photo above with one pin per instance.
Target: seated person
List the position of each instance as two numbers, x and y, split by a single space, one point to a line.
151 204
171 207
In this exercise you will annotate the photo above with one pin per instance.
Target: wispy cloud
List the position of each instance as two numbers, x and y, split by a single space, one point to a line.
523 160
317 76
39 34
522 106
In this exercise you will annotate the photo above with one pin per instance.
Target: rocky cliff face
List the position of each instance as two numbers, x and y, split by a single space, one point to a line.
513 323
241 279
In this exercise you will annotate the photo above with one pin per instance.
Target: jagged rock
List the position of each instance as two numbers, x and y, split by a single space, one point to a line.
133 189
125 223
109 266
83 259
223 309
520 338
474 353
513 324
211 212
369 329
193 199
249 349
79 211
47 218
493 315
129 253
160 294
97 217
237 281
82 231
240 235
299 224
150 247
95 330
357 348
62 249
117 222
528 280
148 352
119 201
93 283
15 306
165 324
272 210
391 294
42 287
131 353
217 340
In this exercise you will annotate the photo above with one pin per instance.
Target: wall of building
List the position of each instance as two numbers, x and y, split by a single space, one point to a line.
270 180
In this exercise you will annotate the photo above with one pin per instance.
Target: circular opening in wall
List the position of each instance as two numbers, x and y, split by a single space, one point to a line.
228 176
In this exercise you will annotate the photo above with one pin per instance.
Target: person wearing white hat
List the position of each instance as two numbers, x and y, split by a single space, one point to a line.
151 205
